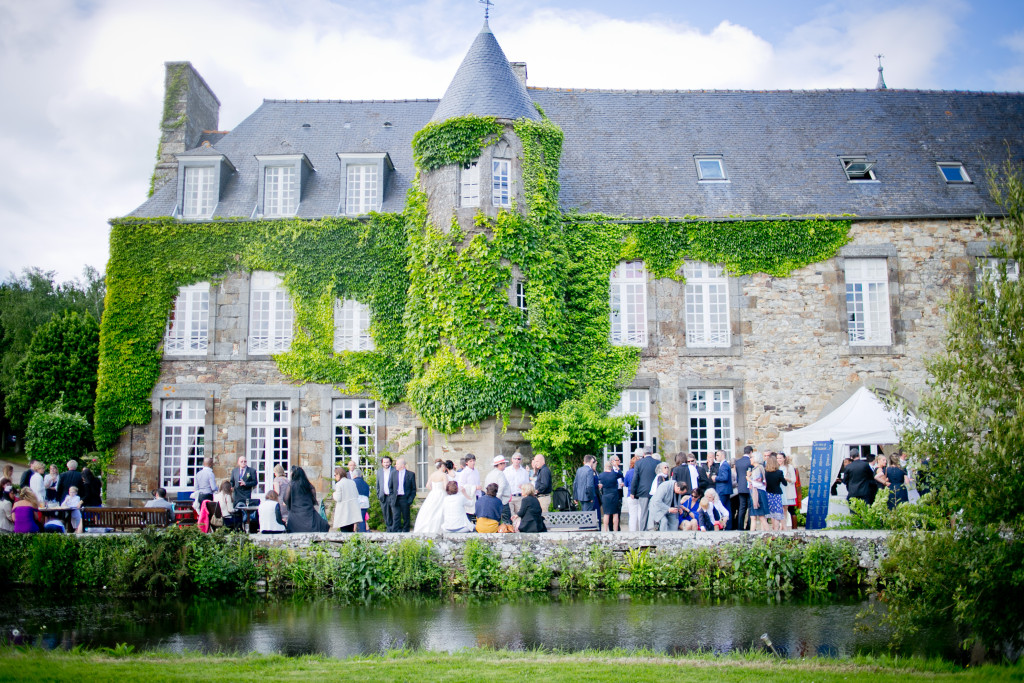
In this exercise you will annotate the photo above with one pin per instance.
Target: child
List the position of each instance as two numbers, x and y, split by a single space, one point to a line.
73 501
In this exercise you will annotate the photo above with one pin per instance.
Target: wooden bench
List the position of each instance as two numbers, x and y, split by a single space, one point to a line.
572 521
124 518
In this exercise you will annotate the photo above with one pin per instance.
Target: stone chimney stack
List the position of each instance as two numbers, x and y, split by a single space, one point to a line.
520 69
190 107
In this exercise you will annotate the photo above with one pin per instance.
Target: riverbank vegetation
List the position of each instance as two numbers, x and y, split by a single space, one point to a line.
185 561
475 665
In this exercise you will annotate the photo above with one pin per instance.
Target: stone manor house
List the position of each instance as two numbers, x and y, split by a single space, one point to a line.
725 360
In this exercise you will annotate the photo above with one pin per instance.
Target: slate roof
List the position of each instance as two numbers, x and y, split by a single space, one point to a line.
485 85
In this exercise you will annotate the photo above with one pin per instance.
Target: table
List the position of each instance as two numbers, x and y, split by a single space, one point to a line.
250 515
61 513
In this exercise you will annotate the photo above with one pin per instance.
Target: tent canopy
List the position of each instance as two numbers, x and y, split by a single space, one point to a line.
861 419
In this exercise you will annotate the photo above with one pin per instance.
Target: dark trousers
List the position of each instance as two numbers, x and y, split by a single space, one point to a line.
388 510
361 526
401 514
742 515
587 505
734 511
506 514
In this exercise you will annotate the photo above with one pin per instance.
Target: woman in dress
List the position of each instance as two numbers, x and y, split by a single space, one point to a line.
897 477
430 516
531 517
881 475
6 506
281 488
302 512
611 497
758 498
356 475
50 483
774 479
346 498
26 512
91 492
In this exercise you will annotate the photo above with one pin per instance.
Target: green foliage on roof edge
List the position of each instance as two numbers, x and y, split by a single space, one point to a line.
447 339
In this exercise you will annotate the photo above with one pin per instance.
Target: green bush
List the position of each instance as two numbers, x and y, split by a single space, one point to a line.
415 566
528 575
482 565
54 435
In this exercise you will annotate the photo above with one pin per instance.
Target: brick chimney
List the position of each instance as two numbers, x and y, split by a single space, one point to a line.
190 107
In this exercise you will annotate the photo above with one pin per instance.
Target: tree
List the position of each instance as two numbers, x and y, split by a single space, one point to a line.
973 443
54 435
61 363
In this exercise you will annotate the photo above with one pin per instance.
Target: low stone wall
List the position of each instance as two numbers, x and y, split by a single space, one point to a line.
870 544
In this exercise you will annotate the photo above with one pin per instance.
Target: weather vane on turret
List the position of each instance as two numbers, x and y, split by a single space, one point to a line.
880 85
487 8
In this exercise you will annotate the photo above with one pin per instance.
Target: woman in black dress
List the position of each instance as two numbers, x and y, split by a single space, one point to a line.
302 512
897 477
92 490
611 497
531 519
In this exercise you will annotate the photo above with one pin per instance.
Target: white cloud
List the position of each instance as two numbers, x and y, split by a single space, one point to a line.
1012 76
87 79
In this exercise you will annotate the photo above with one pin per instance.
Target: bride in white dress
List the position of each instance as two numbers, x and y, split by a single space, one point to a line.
429 518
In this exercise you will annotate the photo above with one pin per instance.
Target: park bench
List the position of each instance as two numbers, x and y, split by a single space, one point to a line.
578 520
124 518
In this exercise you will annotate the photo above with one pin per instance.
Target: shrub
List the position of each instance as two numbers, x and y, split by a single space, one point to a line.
415 566
528 575
55 435
483 566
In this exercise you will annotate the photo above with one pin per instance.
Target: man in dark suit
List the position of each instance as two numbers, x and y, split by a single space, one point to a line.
584 487
859 479
68 479
690 472
741 521
405 494
387 492
243 479
542 481
644 471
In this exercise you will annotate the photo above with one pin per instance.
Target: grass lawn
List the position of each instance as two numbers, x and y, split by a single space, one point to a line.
480 665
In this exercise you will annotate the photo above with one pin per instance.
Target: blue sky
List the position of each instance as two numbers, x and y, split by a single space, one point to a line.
87 75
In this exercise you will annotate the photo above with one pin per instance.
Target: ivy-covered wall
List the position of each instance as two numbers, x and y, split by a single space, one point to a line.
447 339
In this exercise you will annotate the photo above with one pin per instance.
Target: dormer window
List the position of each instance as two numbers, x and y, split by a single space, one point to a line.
953 172
469 184
858 168
710 168
501 173
282 177
202 174
364 182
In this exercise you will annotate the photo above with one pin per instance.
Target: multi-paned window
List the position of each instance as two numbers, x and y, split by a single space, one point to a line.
711 427
355 430
361 189
183 442
469 185
628 300
200 196
269 427
501 194
352 326
707 305
989 269
270 314
632 402
423 468
188 327
867 302
280 191
519 295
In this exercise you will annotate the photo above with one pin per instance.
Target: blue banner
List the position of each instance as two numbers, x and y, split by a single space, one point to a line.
821 480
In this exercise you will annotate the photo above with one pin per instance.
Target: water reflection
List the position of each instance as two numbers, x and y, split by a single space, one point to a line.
666 623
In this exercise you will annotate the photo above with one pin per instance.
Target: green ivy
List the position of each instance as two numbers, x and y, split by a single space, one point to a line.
455 141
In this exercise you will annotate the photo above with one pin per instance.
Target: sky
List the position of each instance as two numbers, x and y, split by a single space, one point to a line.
82 80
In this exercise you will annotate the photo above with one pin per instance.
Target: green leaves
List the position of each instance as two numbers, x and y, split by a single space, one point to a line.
455 141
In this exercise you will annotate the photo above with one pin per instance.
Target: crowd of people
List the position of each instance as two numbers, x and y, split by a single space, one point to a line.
24 506
865 477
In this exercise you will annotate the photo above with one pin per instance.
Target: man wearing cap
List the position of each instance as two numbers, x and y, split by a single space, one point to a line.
497 476
469 484
517 475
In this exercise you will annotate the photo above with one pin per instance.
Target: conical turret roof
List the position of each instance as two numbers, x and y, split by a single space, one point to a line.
485 85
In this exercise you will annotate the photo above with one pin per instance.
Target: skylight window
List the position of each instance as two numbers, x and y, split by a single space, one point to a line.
954 172
710 168
858 168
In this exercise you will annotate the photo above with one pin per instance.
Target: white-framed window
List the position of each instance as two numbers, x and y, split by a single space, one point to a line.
858 168
632 402
867 302
953 172
469 185
423 465
270 314
707 305
362 187
710 168
711 421
182 442
280 190
355 430
352 326
628 301
269 427
501 193
200 196
988 269
519 294
189 324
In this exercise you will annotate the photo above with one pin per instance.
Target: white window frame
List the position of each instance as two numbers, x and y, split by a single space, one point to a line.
868 313
706 166
182 442
501 183
354 423
423 465
271 316
519 295
200 192
988 269
188 327
469 185
268 430
628 303
280 190
707 306
632 402
858 169
352 326
964 179
361 188
711 421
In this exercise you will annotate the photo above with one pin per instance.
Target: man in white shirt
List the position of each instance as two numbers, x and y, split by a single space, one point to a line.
206 483
469 485
517 475
497 476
